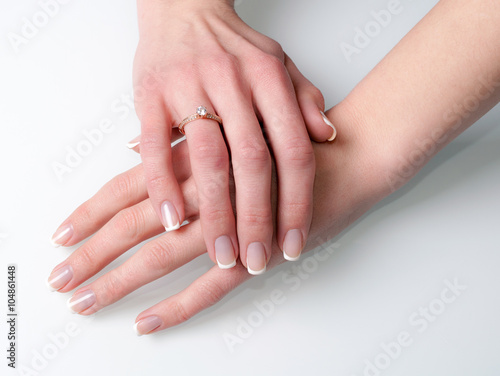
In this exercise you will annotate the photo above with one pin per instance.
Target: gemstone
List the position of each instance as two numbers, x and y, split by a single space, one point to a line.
202 111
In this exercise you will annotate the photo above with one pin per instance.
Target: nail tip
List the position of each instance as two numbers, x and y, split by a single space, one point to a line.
288 258
225 267
70 306
330 124
256 272
54 244
334 136
136 330
132 145
173 228
50 287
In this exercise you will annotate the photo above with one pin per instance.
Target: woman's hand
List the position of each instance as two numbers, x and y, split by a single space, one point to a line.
347 184
200 53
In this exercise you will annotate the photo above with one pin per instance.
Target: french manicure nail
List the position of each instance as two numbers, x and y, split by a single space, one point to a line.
292 245
256 258
169 216
330 124
81 301
147 325
134 142
60 278
224 252
62 235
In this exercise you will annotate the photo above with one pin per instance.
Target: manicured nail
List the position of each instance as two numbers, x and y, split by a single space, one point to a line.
256 258
81 301
60 278
224 252
292 245
134 142
169 216
62 235
147 325
329 123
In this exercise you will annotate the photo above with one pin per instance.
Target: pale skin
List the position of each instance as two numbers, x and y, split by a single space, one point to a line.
407 101
194 53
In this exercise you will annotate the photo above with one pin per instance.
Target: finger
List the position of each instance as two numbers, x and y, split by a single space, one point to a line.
154 260
122 191
251 162
210 168
284 126
312 105
135 143
163 188
125 230
204 292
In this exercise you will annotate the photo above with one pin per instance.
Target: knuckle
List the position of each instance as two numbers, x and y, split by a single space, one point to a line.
122 186
112 288
210 292
268 65
260 218
84 213
211 190
211 156
150 139
179 312
224 64
297 209
299 153
215 214
129 223
159 256
315 94
87 255
156 183
253 153
274 48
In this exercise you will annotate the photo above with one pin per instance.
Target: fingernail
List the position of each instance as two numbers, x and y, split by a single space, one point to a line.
224 252
329 123
147 325
134 142
256 258
81 301
169 216
62 235
60 278
292 245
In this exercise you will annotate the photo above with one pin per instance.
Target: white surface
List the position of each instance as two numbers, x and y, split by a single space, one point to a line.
442 226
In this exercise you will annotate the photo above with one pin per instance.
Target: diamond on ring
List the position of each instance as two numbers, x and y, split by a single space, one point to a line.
201 113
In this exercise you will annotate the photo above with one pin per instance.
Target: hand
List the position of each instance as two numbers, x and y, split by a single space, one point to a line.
347 184
194 53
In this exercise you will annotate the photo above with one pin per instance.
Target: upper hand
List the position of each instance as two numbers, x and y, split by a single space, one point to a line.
202 53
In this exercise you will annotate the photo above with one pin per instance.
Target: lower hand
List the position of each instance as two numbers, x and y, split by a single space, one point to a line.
121 216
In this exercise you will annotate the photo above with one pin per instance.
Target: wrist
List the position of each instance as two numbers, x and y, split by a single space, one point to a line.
153 14
184 7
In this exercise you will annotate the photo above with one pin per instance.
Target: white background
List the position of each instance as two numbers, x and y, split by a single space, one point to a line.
442 226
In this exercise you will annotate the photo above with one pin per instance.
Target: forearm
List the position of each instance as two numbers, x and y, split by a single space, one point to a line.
441 78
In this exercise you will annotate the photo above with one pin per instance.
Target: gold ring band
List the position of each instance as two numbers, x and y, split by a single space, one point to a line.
201 113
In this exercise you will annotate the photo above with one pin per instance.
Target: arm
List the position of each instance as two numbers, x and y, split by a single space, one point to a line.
442 77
